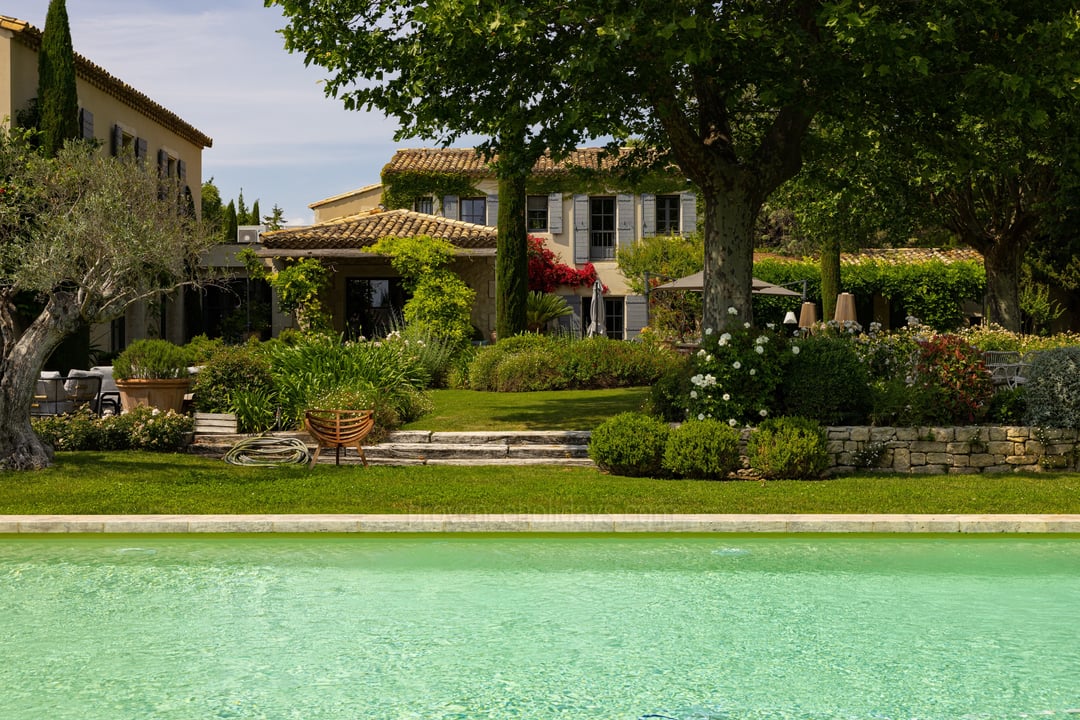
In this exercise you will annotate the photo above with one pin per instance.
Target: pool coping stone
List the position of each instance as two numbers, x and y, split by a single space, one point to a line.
540 523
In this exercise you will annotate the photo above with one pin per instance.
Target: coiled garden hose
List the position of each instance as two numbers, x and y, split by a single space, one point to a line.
266 450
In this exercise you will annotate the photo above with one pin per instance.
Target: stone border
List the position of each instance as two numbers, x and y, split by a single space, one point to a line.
524 523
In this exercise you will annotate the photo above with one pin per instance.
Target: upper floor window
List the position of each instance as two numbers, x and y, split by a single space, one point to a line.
424 205
474 210
667 214
536 212
601 228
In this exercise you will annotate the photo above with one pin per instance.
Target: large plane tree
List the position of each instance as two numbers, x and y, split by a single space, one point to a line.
444 70
87 235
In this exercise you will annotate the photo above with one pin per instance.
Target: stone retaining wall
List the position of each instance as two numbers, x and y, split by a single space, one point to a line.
968 449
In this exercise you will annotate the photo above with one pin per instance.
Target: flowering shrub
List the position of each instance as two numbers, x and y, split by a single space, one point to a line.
140 429
736 375
954 374
546 273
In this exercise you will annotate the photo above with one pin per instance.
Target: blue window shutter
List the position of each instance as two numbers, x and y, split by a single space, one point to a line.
117 139
555 213
572 322
688 221
162 163
181 170
141 147
581 229
625 219
648 215
637 315
492 208
86 122
450 207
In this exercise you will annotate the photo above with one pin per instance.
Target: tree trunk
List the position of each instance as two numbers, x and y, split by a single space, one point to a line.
729 257
1002 299
511 259
830 276
24 356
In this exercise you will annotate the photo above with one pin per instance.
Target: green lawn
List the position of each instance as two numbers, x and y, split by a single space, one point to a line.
137 483
465 410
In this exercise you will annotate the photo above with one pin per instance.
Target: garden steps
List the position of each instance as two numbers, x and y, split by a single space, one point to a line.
422 447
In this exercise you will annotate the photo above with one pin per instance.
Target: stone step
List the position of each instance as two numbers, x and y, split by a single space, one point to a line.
418 447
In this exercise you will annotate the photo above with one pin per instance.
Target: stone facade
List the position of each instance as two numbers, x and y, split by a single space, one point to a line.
967 449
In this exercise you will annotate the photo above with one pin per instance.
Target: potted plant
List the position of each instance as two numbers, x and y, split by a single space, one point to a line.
152 373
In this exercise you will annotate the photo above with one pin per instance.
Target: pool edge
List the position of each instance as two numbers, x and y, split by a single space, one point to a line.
550 523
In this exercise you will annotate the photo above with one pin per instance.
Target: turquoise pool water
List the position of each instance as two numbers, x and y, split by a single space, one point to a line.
597 628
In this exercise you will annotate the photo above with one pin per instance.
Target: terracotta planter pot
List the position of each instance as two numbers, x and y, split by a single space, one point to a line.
161 394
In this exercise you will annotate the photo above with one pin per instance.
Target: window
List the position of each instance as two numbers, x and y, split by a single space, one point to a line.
536 212
373 305
424 205
667 214
474 210
613 316
601 228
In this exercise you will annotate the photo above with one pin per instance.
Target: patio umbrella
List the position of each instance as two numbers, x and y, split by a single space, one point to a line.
597 325
697 282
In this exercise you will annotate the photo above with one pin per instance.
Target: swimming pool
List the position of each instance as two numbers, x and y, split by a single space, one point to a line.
468 627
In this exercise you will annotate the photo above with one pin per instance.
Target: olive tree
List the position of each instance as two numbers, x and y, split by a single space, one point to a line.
87 235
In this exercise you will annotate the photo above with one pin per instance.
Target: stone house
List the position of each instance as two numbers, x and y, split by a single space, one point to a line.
579 207
121 119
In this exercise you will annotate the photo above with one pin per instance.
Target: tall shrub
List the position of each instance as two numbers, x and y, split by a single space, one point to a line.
441 301
824 380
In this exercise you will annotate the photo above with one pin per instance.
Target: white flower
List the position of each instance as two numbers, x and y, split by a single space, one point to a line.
759 350
762 340
708 331
723 341
753 371
736 364
771 326
701 416
731 422
708 358
746 325
708 380
732 311
794 349
763 412
701 353
725 337
696 380
727 397
693 394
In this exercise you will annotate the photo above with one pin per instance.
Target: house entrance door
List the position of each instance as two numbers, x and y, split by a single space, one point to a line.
373 306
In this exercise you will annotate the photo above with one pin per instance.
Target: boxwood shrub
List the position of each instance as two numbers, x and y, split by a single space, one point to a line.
629 444
788 447
702 449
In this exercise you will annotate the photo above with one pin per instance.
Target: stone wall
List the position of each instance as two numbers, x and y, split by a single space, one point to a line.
969 449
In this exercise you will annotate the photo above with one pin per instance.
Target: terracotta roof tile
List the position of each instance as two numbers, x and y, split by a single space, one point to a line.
898 256
102 80
466 161
360 231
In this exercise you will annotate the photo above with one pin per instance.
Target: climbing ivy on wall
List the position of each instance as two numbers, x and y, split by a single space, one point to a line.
401 189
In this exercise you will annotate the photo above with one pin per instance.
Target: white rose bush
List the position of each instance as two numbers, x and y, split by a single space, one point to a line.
737 375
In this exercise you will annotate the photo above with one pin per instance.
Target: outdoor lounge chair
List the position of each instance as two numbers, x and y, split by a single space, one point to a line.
338 429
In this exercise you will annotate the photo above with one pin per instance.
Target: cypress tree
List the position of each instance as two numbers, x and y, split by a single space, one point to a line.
254 216
229 226
58 99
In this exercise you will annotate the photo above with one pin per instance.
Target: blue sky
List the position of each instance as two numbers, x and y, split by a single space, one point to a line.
221 66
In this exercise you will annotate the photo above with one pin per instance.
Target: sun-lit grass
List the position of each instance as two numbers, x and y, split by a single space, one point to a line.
147 483
468 410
